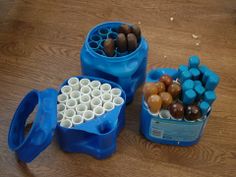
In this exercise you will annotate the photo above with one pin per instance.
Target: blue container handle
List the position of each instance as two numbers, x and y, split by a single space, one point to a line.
41 133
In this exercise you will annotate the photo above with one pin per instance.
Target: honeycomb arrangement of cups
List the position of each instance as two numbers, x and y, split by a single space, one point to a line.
83 100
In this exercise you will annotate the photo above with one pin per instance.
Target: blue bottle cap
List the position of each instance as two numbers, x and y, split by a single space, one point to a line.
189 97
204 106
203 68
40 135
188 84
185 76
195 73
194 61
209 97
212 81
199 89
181 69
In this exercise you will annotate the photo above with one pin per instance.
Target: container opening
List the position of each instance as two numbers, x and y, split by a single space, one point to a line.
114 30
105 128
93 45
100 52
95 38
112 35
103 31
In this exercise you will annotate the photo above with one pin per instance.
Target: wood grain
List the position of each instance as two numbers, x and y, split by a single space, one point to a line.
40 44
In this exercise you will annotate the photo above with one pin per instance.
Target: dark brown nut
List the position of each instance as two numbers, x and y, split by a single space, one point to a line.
177 110
175 90
192 112
132 42
109 47
121 42
124 29
137 31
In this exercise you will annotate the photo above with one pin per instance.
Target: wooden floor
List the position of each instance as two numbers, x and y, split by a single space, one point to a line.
40 42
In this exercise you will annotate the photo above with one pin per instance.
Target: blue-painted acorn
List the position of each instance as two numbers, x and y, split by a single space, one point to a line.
109 47
132 42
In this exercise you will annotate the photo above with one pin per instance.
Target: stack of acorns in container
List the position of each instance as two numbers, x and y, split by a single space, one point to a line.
188 98
83 100
126 41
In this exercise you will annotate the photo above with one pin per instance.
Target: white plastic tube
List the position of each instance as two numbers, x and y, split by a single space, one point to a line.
85 90
75 95
164 114
81 108
62 98
95 102
59 117
69 113
105 87
74 83
95 84
108 106
96 93
84 82
61 107
88 115
77 119
106 97
118 101
66 123
85 99
98 111
66 89
71 104
115 92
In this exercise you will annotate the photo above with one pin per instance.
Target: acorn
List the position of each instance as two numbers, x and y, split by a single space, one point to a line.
160 87
177 110
121 43
174 89
154 103
149 89
192 112
109 47
166 79
132 42
166 99
137 31
124 28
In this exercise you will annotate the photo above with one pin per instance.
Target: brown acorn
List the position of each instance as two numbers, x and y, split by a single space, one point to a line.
166 99
192 112
149 89
121 42
132 42
174 89
154 103
109 47
166 79
160 87
137 31
177 110
124 28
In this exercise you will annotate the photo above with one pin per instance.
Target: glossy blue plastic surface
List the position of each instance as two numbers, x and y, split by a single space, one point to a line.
40 135
98 136
126 69
147 118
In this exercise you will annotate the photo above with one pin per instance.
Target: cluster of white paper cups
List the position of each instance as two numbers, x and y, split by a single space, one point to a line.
83 100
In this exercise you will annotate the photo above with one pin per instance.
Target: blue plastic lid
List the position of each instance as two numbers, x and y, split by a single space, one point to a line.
41 133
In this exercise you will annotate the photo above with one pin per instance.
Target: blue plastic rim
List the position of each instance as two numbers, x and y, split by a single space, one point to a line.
41 133
126 69
96 137
169 131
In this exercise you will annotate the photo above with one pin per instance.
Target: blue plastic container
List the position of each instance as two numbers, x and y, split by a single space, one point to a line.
126 69
168 131
96 137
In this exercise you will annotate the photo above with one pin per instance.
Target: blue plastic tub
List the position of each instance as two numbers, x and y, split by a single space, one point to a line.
126 69
169 131
96 137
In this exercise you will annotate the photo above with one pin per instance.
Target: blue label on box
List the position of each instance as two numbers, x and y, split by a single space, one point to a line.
175 130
